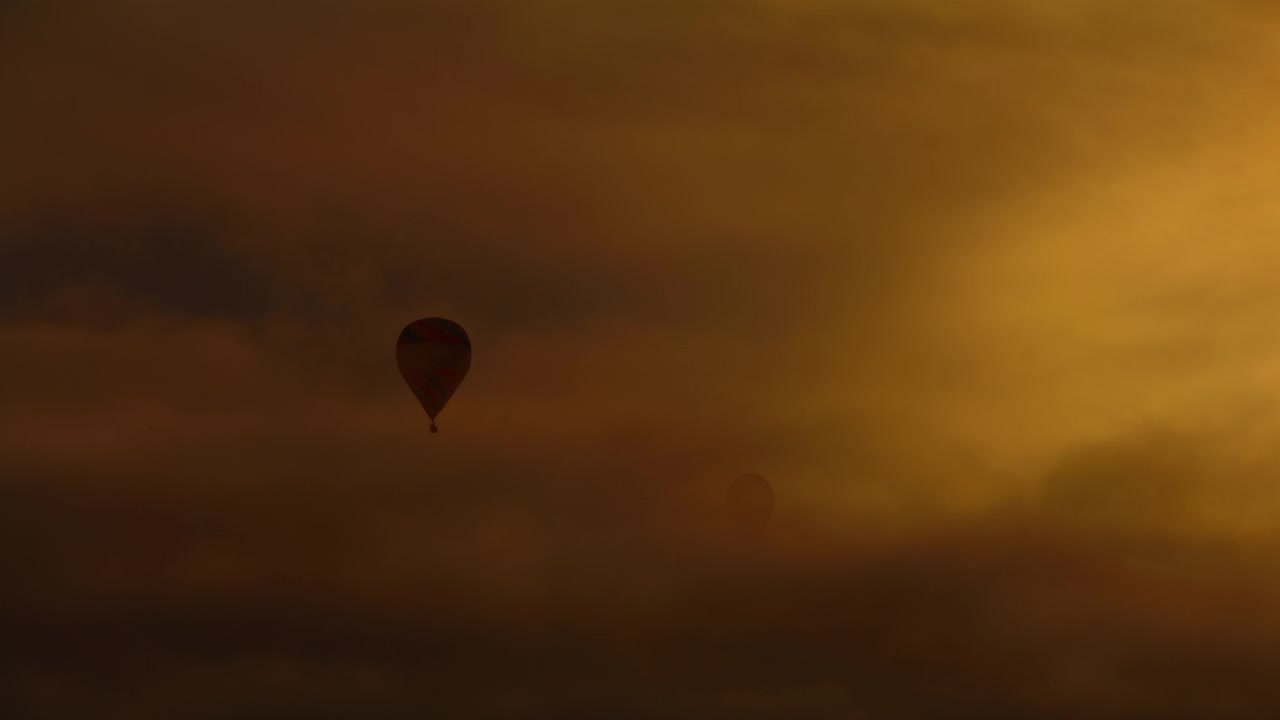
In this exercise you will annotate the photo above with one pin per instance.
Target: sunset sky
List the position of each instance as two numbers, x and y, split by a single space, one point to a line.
987 289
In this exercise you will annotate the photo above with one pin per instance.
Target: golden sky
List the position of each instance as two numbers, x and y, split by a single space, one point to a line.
986 288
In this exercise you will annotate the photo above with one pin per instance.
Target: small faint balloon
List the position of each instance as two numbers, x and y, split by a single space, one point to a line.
434 355
750 503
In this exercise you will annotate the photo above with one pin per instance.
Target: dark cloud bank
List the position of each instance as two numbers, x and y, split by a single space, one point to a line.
524 591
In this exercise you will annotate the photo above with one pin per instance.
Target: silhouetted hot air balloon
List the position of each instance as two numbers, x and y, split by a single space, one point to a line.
433 355
750 503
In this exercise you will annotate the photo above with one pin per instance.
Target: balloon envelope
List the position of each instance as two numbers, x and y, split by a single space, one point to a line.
750 502
433 355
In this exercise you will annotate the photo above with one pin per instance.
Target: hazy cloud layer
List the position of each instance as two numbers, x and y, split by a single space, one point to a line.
986 289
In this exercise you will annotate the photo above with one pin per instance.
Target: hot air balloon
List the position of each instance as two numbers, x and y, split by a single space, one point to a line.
750 503
433 355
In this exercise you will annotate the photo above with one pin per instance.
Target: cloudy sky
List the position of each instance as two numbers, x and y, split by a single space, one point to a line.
986 288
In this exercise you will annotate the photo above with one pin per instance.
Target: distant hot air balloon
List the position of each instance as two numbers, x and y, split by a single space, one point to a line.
433 355
750 503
